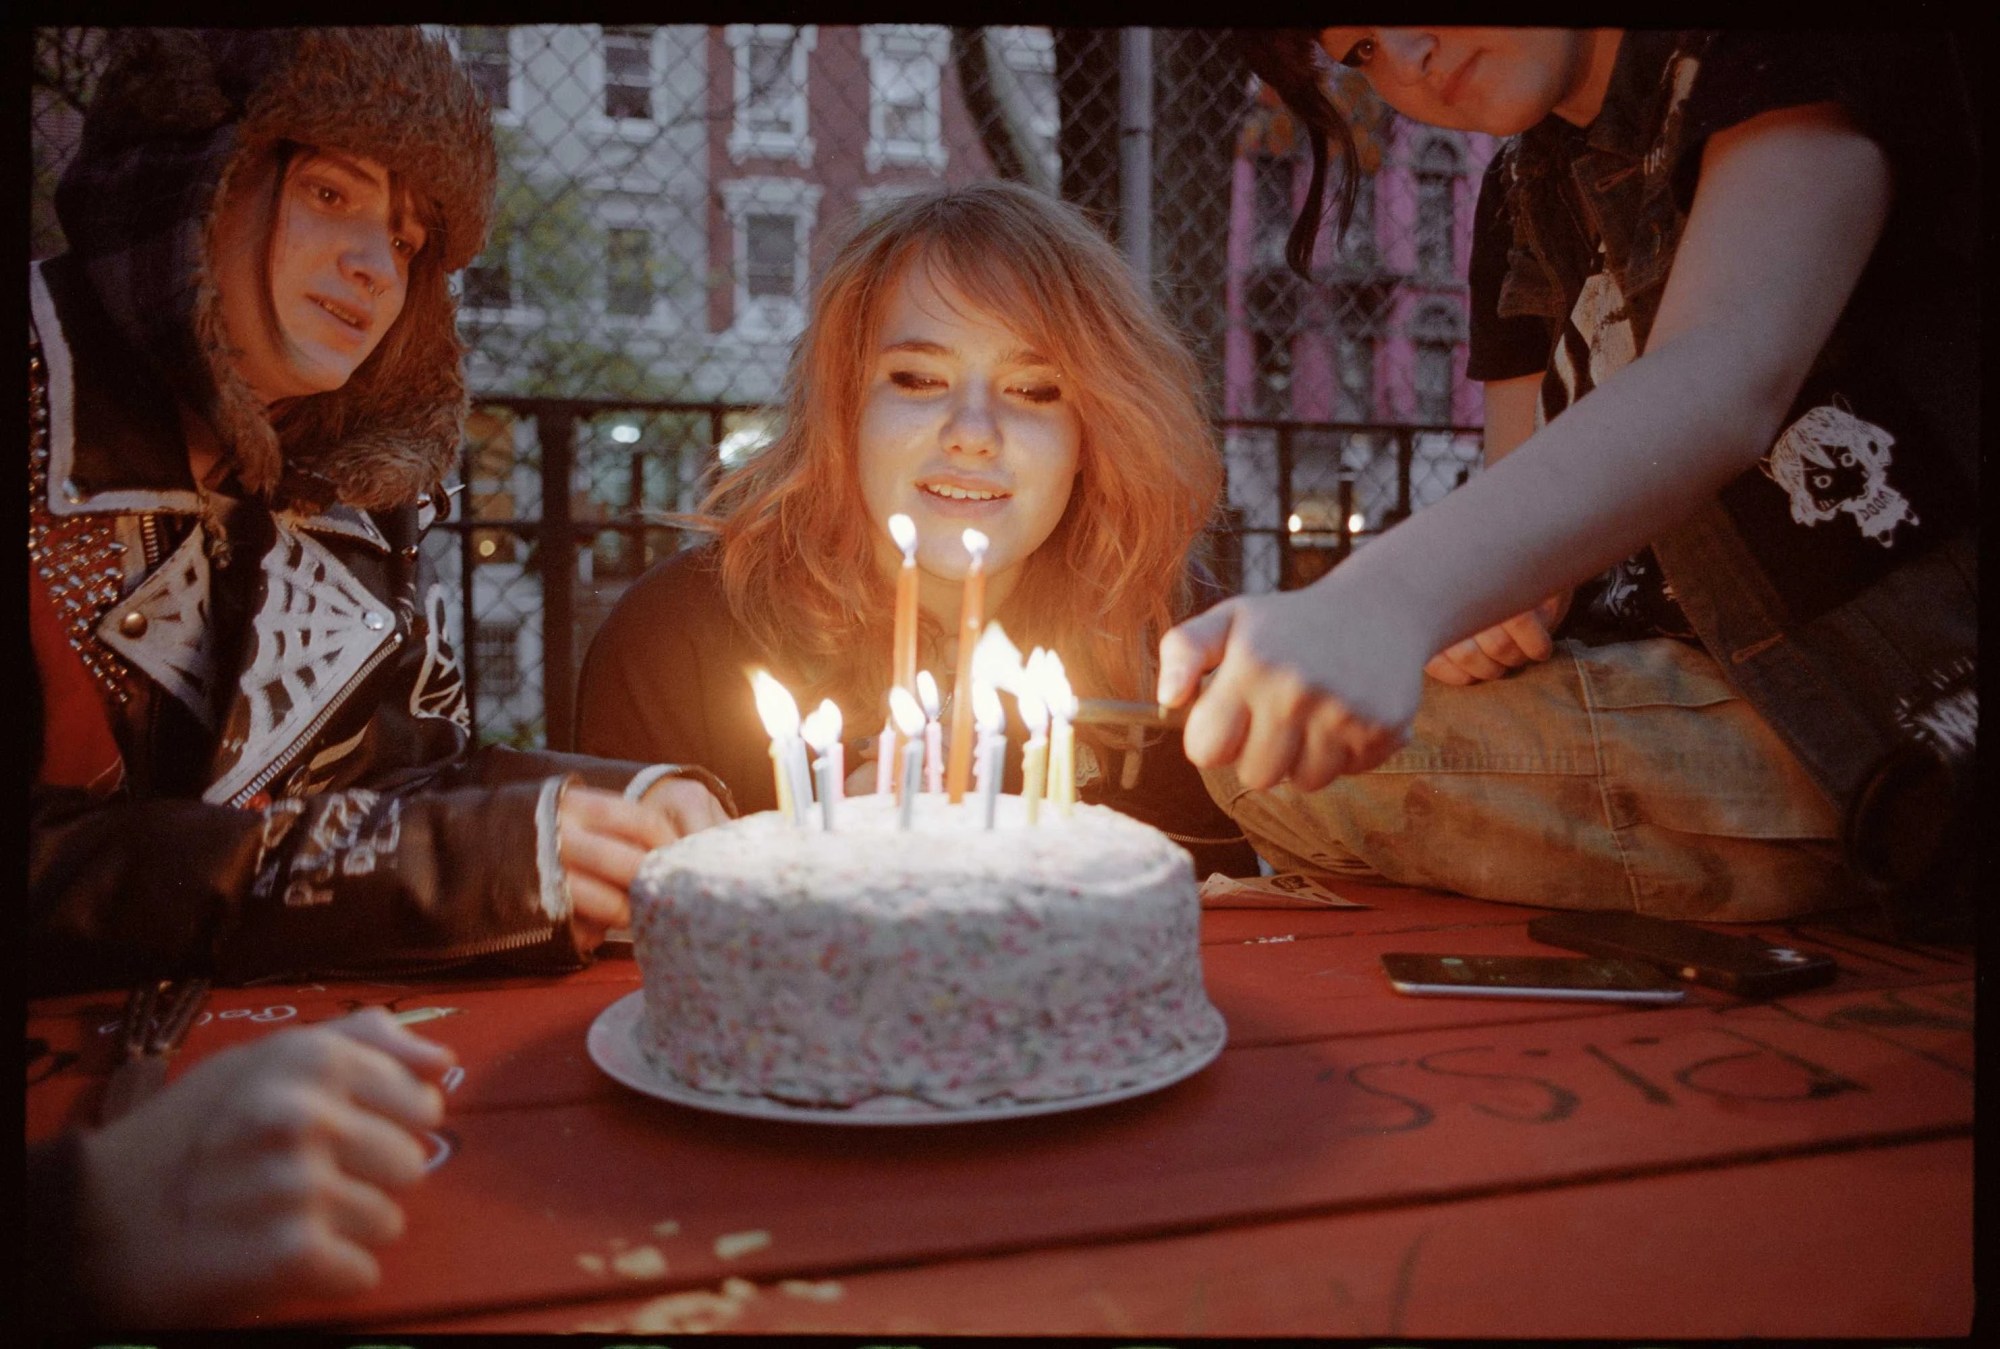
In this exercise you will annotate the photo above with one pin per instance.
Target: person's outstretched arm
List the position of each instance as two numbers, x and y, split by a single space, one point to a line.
1495 652
1313 683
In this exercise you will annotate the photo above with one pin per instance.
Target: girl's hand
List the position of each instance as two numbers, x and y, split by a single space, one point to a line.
1503 648
603 838
1307 684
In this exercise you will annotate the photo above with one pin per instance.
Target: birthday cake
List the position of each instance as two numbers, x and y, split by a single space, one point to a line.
946 965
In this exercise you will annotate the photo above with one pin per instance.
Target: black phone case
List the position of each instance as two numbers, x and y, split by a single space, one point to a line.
1742 965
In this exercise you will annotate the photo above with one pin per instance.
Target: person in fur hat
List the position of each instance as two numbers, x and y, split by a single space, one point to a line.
245 393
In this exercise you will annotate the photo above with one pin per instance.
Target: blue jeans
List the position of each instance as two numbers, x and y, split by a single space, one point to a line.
1628 776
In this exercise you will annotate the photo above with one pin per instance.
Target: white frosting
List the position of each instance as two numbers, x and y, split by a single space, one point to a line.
950 964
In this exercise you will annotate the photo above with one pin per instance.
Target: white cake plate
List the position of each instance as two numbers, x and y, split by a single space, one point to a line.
614 1047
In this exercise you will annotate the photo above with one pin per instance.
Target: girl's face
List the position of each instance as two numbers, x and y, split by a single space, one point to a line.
1497 80
963 424
306 303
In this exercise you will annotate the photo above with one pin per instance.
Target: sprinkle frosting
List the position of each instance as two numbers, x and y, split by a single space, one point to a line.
949 964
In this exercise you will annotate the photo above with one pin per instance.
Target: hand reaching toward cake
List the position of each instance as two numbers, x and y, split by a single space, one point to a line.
266 1172
602 838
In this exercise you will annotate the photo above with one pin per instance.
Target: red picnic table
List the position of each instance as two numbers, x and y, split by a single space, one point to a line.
1355 1163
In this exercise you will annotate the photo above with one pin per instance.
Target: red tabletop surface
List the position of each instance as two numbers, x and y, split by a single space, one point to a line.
1355 1162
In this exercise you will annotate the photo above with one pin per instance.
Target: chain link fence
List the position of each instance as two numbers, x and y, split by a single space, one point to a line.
666 192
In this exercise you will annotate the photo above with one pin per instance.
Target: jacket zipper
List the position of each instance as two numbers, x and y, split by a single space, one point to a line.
429 963
319 721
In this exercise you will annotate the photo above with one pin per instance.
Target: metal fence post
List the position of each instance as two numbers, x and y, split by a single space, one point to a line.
1406 454
1135 151
468 558
555 561
1284 507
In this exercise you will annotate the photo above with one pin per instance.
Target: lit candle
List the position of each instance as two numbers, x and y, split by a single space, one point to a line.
780 715
903 654
903 667
971 618
992 720
1062 736
821 730
1035 755
927 694
910 721
885 758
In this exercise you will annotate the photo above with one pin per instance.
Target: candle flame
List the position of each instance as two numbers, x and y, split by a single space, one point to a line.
1055 688
986 709
975 544
821 728
1028 695
997 660
904 531
776 707
908 716
927 694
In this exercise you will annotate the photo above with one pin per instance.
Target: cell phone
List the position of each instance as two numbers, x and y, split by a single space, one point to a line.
1593 978
1744 965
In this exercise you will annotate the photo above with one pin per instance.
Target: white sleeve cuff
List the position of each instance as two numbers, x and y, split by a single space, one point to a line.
548 852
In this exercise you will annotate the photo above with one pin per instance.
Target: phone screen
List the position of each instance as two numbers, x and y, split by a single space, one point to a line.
1598 978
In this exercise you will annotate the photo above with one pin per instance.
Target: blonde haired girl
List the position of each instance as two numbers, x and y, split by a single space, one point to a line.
977 356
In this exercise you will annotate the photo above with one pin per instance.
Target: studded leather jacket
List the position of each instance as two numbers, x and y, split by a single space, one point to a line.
254 747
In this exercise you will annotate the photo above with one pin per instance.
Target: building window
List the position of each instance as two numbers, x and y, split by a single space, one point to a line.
485 53
628 73
1357 245
1028 55
628 272
771 243
1434 225
1435 332
1271 353
1433 377
771 222
905 75
769 103
496 656
1354 366
1273 306
1271 208
1438 166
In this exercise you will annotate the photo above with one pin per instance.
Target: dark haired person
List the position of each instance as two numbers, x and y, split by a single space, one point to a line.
1725 305
244 394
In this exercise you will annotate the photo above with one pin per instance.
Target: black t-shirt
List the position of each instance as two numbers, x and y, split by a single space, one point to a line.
1877 457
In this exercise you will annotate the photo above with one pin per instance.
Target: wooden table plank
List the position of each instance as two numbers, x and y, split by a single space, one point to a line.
1265 1134
1872 1243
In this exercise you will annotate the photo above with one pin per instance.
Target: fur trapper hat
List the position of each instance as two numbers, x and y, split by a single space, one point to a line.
176 115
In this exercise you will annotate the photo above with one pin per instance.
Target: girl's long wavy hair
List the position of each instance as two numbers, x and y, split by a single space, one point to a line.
800 554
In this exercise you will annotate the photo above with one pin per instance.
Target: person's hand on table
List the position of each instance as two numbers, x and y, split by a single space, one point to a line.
262 1174
603 838
1498 651
1306 684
